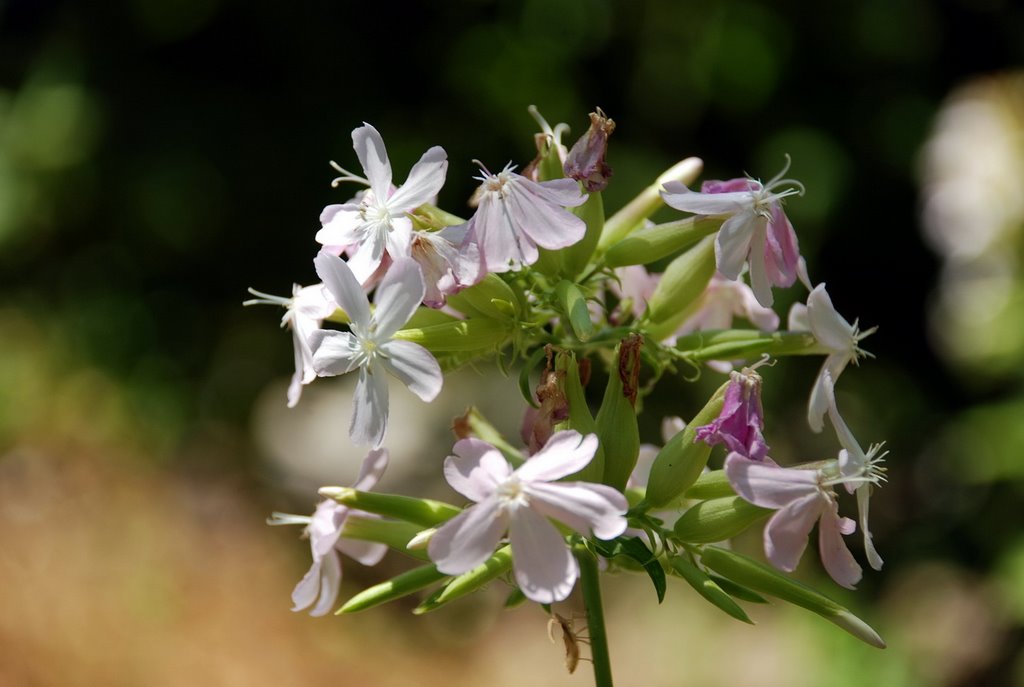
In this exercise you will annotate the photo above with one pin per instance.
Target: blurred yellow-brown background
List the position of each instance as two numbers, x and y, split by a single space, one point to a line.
158 157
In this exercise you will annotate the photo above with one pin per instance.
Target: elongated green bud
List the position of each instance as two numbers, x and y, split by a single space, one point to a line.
708 588
718 520
498 564
631 217
576 256
574 309
395 533
491 297
738 591
580 417
428 317
710 485
478 334
736 344
616 418
683 282
761 578
432 217
680 462
395 588
424 512
646 245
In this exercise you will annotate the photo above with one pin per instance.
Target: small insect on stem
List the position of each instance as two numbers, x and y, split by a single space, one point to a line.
570 638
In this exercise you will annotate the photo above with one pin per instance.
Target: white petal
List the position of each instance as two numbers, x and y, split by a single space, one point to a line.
547 225
544 568
366 552
325 527
425 179
330 584
334 352
828 326
835 556
372 469
369 146
414 366
732 244
468 539
583 506
798 320
863 497
476 469
677 196
564 192
818 404
759 282
564 453
858 459
344 286
785 535
768 486
398 239
342 225
370 416
398 296
308 588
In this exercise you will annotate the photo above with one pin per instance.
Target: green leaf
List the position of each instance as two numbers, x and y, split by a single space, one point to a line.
738 590
635 549
708 588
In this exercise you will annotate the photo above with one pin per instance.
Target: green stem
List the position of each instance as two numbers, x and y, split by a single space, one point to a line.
591 585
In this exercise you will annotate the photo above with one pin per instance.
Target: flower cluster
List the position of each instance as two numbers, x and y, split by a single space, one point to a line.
539 273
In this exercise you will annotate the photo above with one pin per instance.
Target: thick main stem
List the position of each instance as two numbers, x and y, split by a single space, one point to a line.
591 585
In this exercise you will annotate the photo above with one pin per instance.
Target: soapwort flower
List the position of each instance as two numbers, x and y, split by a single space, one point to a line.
739 426
447 268
326 530
369 346
516 215
520 502
306 311
840 338
757 232
377 223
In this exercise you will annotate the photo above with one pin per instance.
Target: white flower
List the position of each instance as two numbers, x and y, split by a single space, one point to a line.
325 529
307 309
378 222
520 502
369 345
836 335
446 268
516 215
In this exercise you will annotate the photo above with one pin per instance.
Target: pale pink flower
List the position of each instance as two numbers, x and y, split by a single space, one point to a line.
378 224
369 345
634 286
739 426
757 232
840 338
723 300
326 531
306 311
448 265
802 497
519 502
516 215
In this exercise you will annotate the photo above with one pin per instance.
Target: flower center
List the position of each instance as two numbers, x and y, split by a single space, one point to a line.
511 495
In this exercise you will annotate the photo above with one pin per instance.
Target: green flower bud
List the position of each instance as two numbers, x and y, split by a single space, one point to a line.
708 588
761 578
683 282
574 309
616 418
580 418
718 520
680 462
395 588
491 297
497 565
737 344
646 245
710 485
424 512
631 217
477 334
576 257
395 533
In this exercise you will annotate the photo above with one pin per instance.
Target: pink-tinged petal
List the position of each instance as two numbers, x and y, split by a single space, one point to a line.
782 253
330 584
766 485
501 244
344 286
585 507
835 557
334 352
308 588
468 539
758 315
399 294
857 459
547 225
369 147
325 527
863 499
414 366
817 406
368 553
425 180
759 282
732 244
785 535
730 185
370 416
476 469
544 568
564 453
341 225
828 326
677 196
562 192
372 469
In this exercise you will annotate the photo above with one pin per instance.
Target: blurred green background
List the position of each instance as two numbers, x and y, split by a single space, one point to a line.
157 157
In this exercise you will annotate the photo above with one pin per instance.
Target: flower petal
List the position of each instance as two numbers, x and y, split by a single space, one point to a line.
414 366
330 584
768 486
468 539
398 296
863 497
425 180
343 285
325 527
759 282
585 507
817 405
341 225
837 559
373 156
785 535
546 224
564 453
732 244
544 568
370 416
372 469
828 326
308 588
677 196
366 552
334 352
476 469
